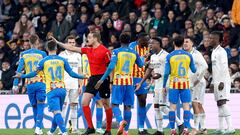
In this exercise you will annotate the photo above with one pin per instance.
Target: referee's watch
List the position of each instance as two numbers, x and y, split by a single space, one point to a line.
111 82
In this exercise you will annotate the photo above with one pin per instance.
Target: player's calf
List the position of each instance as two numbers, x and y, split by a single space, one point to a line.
39 117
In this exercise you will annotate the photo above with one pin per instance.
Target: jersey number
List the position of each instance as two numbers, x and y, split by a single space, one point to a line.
31 64
181 70
125 67
57 73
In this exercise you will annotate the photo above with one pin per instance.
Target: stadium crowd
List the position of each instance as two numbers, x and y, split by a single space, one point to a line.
158 18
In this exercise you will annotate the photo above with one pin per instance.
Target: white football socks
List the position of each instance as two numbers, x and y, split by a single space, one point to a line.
73 116
159 119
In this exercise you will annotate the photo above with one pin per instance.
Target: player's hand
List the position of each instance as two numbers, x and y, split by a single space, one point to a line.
15 89
53 38
221 86
196 83
99 83
138 86
164 91
17 75
156 76
24 89
85 76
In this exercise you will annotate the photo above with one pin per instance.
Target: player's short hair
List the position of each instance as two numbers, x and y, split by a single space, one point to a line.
178 41
142 35
158 40
70 37
218 34
51 45
96 35
190 38
124 38
33 39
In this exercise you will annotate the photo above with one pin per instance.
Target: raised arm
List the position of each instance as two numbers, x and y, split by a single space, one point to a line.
66 46
68 69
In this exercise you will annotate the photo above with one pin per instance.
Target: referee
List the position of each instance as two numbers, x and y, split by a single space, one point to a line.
99 57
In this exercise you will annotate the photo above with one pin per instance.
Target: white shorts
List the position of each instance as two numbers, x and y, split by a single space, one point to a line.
72 96
223 94
159 97
198 92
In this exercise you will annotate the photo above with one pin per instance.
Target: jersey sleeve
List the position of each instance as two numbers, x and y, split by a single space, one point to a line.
192 64
68 69
19 69
139 62
108 56
166 71
44 54
132 45
111 66
150 63
84 50
29 75
224 60
40 65
203 66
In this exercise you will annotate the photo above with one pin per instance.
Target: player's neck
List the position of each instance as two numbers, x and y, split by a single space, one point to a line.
159 50
190 49
177 48
124 45
214 47
52 53
95 45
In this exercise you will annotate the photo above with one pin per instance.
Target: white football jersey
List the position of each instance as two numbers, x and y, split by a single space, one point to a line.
75 61
220 70
201 66
157 63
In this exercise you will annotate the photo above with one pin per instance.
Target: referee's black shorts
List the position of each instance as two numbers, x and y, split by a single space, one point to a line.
104 90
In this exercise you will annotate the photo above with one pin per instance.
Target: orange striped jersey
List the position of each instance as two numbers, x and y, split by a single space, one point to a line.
29 60
86 68
142 51
122 61
177 65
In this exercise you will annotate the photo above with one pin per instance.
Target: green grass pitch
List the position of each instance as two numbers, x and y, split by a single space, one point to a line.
31 132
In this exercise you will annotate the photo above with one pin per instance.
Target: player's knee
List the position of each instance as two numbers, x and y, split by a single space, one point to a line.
186 106
99 104
72 104
105 103
127 107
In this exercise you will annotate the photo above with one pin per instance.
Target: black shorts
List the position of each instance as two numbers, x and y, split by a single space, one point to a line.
104 90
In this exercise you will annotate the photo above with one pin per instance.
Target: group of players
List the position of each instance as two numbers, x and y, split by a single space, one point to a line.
124 72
